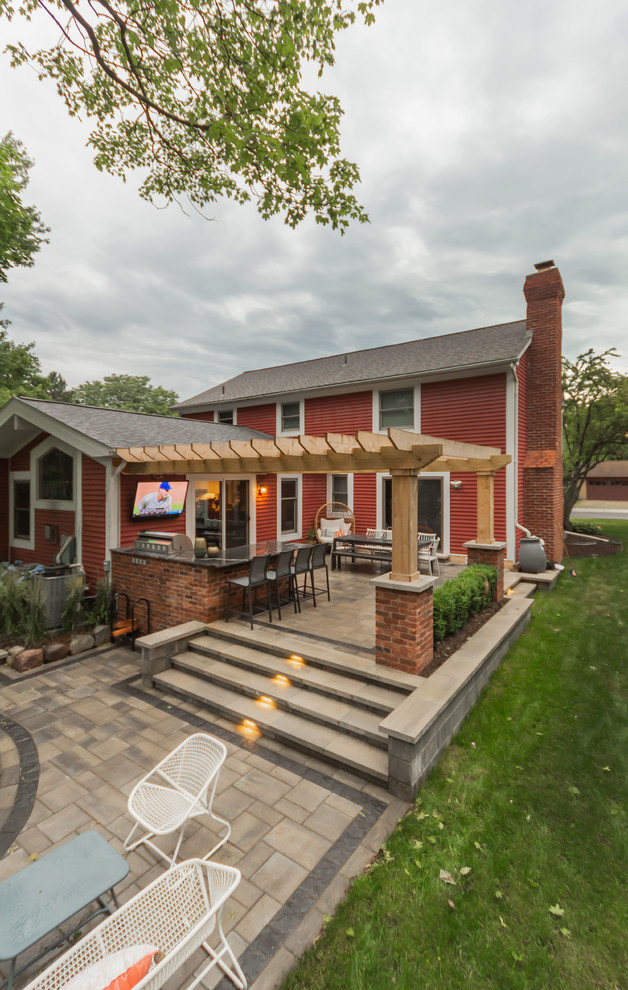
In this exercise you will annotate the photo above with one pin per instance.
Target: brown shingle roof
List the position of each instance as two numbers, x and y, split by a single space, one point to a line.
451 352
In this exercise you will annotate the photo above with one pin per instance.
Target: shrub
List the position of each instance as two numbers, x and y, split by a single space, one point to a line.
102 608
458 599
74 615
35 617
586 528
13 604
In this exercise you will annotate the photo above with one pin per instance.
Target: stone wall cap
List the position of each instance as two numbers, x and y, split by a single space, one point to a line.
171 635
417 586
474 545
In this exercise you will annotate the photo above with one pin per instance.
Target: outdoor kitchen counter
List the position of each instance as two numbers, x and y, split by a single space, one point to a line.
181 587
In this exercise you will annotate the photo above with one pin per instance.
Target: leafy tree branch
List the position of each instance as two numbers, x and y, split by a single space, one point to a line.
206 97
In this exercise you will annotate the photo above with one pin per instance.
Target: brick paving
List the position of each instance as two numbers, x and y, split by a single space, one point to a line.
86 732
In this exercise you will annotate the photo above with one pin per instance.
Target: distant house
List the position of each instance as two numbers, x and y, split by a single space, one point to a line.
497 386
607 482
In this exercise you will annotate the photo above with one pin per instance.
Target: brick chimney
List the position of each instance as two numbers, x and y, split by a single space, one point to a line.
543 466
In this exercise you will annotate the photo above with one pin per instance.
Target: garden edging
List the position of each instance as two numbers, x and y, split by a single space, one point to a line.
424 723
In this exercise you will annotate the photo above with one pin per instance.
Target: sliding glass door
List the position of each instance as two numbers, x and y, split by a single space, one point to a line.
222 512
430 505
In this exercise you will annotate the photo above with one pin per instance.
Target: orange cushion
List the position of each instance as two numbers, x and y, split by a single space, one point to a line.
121 970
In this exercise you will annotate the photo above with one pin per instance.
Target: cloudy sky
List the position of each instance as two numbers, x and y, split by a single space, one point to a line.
489 136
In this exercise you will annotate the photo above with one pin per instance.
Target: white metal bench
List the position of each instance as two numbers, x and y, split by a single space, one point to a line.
179 912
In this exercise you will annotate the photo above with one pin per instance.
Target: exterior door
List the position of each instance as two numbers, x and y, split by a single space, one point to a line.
430 505
236 513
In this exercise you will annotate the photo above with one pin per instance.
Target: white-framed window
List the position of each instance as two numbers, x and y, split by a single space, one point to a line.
340 488
56 479
226 416
21 511
396 408
288 505
290 418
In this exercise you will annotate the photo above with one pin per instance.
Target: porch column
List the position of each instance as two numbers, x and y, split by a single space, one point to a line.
404 524
404 622
485 506
488 553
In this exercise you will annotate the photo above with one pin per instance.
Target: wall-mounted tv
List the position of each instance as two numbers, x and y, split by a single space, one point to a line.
159 499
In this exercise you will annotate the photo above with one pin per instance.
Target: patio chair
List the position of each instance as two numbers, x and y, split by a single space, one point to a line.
256 578
428 554
280 572
176 790
318 561
300 567
178 913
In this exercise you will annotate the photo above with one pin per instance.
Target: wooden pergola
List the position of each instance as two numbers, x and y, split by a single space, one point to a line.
398 452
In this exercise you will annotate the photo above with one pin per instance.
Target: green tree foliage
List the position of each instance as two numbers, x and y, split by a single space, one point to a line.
21 230
20 373
131 392
207 99
595 419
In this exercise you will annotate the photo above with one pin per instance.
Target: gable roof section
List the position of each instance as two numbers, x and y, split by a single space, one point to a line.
497 345
111 428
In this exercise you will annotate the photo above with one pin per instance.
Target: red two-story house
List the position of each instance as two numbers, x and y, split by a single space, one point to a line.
498 386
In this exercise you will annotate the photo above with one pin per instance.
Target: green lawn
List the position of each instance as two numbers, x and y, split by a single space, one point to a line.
528 813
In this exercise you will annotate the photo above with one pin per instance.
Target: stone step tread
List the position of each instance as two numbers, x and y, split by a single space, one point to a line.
331 711
316 678
353 665
354 754
524 589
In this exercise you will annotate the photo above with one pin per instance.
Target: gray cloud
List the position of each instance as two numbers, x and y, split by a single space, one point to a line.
488 139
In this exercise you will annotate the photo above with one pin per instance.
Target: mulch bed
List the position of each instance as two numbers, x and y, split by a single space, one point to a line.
451 643
579 545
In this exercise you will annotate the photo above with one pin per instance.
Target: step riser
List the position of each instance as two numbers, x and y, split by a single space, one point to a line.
251 665
310 658
284 705
286 737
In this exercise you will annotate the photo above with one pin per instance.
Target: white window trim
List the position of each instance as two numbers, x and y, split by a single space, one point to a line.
299 480
416 428
234 412
290 433
445 475
190 511
14 541
56 504
349 486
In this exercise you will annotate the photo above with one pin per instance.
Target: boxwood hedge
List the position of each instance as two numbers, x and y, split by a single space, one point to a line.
458 599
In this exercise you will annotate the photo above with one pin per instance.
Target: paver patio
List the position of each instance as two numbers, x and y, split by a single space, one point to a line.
76 736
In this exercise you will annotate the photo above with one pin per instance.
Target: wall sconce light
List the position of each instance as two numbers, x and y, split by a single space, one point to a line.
262 489
456 484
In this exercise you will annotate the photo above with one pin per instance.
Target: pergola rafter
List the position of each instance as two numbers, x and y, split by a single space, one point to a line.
399 452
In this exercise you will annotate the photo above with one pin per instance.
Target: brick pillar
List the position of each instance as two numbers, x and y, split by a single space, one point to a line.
489 553
404 623
541 509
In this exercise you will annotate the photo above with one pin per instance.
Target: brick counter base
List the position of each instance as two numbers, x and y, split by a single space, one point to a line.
489 553
404 625
178 591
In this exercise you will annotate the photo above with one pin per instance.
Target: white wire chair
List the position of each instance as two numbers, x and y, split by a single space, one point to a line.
178 913
176 790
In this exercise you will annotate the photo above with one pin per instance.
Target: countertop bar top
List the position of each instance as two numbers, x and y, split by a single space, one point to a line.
226 558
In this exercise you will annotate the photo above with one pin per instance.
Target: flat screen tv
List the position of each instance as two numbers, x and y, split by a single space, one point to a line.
159 499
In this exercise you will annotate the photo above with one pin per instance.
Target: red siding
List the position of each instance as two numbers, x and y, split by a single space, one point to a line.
4 516
45 551
339 413
129 528
314 495
94 520
364 504
22 460
206 417
472 410
266 508
262 418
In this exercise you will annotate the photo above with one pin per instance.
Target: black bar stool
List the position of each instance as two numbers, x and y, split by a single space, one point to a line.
301 566
256 578
318 561
281 571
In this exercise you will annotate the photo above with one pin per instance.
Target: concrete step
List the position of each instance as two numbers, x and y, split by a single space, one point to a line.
524 589
332 745
362 692
283 693
280 644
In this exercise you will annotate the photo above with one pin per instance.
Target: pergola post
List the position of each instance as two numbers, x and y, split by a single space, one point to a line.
485 506
404 524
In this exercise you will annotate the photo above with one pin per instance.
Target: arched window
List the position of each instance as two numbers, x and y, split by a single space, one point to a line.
55 474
